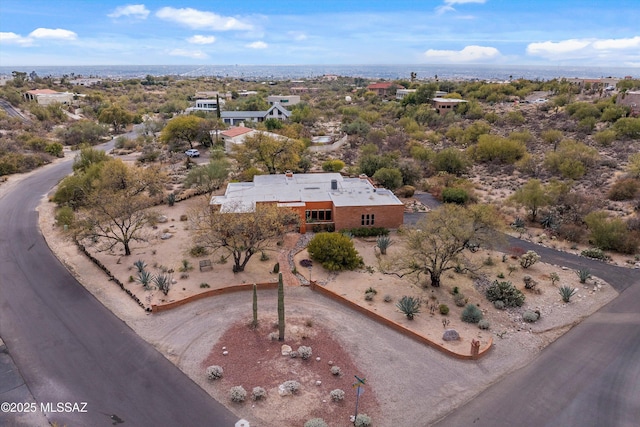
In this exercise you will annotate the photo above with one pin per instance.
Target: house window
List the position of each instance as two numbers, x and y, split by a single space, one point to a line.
367 219
319 215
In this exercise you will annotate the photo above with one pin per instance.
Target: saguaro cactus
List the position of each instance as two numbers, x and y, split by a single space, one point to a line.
255 306
280 308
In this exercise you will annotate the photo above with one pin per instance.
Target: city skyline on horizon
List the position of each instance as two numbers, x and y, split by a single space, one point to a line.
447 32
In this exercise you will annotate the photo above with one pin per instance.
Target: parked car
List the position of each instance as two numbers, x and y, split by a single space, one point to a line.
192 153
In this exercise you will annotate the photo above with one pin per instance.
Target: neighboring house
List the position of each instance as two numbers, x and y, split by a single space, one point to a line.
208 105
233 118
85 82
234 136
630 99
382 88
283 99
322 200
237 135
401 93
48 96
446 105
211 94
247 93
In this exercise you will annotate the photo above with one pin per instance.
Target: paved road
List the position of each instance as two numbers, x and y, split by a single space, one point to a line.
12 112
69 347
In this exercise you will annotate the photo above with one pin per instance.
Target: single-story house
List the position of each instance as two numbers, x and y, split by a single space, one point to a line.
237 135
48 96
322 200
382 88
276 111
446 105
401 93
630 99
85 81
283 99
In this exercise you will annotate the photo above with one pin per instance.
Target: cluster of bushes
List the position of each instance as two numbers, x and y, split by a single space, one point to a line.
334 251
366 231
505 292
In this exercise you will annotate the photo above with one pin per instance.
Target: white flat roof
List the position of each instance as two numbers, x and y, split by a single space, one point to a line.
301 188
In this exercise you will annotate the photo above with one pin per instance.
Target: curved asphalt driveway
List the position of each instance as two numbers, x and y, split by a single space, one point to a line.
69 347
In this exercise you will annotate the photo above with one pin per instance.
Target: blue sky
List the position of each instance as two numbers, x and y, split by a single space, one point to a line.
284 32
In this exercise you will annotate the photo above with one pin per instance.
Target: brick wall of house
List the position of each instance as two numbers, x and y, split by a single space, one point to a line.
384 216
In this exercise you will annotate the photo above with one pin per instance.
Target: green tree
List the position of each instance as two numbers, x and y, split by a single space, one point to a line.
532 196
116 208
390 178
241 232
209 177
334 251
606 233
115 116
182 129
438 242
275 154
82 132
333 165
451 160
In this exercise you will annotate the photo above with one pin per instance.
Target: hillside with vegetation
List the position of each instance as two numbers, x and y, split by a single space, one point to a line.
555 155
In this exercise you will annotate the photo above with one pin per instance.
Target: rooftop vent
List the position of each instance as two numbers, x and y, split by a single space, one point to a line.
334 184
288 174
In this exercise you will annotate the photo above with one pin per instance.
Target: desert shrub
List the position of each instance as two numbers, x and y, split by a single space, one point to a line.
444 309
628 127
528 259
471 314
383 243
291 386
198 251
406 191
409 306
388 298
605 233
335 370
334 165
337 395
451 160
258 393
493 148
305 352
484 324
605 137
368 296
204 285
316 422
367 231
362 420
566 292
65 216
505 292
455 195
530 316
293 354
499 304
459 300
595 253
238 393
624 189
334 251
214 372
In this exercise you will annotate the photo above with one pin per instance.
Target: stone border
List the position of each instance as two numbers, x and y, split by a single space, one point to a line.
156 308
399 328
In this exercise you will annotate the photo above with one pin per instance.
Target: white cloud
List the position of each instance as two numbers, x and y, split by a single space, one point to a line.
197 54
448 5
198 39
49 33
297 35
632 43
468 54
258 45
624 50
550 48
13 38
194 18
133 10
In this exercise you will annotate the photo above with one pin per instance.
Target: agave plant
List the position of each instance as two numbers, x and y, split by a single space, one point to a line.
140 265
567 292
409 306
583 275
145 278
163 282
383 242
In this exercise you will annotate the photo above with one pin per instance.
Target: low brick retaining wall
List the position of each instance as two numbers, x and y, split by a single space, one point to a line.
397 327
156 308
